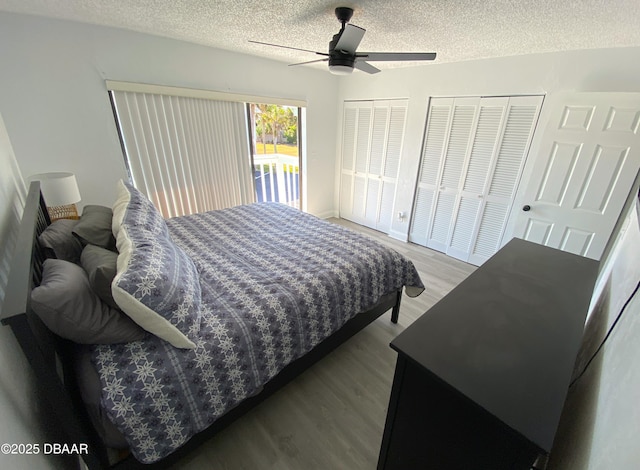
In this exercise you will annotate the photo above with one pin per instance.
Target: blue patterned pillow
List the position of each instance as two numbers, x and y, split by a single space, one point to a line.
141 211
156 284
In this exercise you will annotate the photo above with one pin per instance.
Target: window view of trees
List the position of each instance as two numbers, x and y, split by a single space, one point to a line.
276 160
275 129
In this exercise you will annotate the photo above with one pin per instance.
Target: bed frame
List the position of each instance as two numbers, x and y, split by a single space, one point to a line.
51 360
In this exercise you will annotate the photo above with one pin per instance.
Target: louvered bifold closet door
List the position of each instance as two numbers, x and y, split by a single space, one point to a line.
450 125
521 117
477 168
372 136
473 154
391 163
349 124
435 138
355 153
378 137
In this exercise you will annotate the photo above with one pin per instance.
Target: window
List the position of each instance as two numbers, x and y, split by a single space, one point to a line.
189 150
275 139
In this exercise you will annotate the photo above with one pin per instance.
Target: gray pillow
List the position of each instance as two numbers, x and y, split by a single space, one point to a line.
100 265
65 303
58 241
94 227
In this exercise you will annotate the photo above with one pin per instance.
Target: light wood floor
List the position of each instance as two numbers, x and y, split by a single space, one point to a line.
333 415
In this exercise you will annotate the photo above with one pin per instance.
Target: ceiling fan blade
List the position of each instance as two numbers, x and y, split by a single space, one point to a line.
365 66
350 38
288 47
309 62
392 56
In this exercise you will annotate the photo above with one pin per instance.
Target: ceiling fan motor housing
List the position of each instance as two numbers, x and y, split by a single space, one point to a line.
344 14
337 57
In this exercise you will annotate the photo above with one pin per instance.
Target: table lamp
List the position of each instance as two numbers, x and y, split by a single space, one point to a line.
60 192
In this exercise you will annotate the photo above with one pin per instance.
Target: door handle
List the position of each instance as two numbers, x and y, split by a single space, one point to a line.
526 208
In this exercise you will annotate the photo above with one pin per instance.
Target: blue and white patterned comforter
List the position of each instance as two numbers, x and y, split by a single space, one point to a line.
275 282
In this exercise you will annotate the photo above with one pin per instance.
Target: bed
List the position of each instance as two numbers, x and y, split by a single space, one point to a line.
221 310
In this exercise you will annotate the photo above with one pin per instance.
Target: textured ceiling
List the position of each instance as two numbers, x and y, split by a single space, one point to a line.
456 29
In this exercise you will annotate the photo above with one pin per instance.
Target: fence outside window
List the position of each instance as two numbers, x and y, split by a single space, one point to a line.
277 178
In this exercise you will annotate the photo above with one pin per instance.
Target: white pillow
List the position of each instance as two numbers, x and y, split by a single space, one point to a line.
119 207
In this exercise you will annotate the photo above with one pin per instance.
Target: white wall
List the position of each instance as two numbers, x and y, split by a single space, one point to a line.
599 426
18 405
57 112
590 70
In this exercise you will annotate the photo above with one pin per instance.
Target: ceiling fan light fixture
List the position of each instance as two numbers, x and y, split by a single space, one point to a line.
342 53
338 69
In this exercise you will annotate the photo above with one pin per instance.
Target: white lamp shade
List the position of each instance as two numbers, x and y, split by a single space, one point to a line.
58 189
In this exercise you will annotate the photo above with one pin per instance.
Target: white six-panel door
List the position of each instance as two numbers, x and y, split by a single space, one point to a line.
372 137
588 158
473 155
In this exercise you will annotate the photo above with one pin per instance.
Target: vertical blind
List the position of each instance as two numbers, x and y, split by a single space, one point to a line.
186 154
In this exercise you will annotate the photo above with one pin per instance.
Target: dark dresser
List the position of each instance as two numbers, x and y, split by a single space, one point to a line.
482 376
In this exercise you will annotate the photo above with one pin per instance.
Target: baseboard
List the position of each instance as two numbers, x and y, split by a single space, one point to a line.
402 236
327 215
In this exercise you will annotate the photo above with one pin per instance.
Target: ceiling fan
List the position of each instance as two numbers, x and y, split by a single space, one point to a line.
342 55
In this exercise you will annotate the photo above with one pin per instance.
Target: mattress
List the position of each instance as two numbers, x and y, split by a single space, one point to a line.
274 283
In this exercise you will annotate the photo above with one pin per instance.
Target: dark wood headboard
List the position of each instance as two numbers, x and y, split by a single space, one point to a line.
47 354
26 265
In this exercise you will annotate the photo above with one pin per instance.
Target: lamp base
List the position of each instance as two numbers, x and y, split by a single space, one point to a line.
70 211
